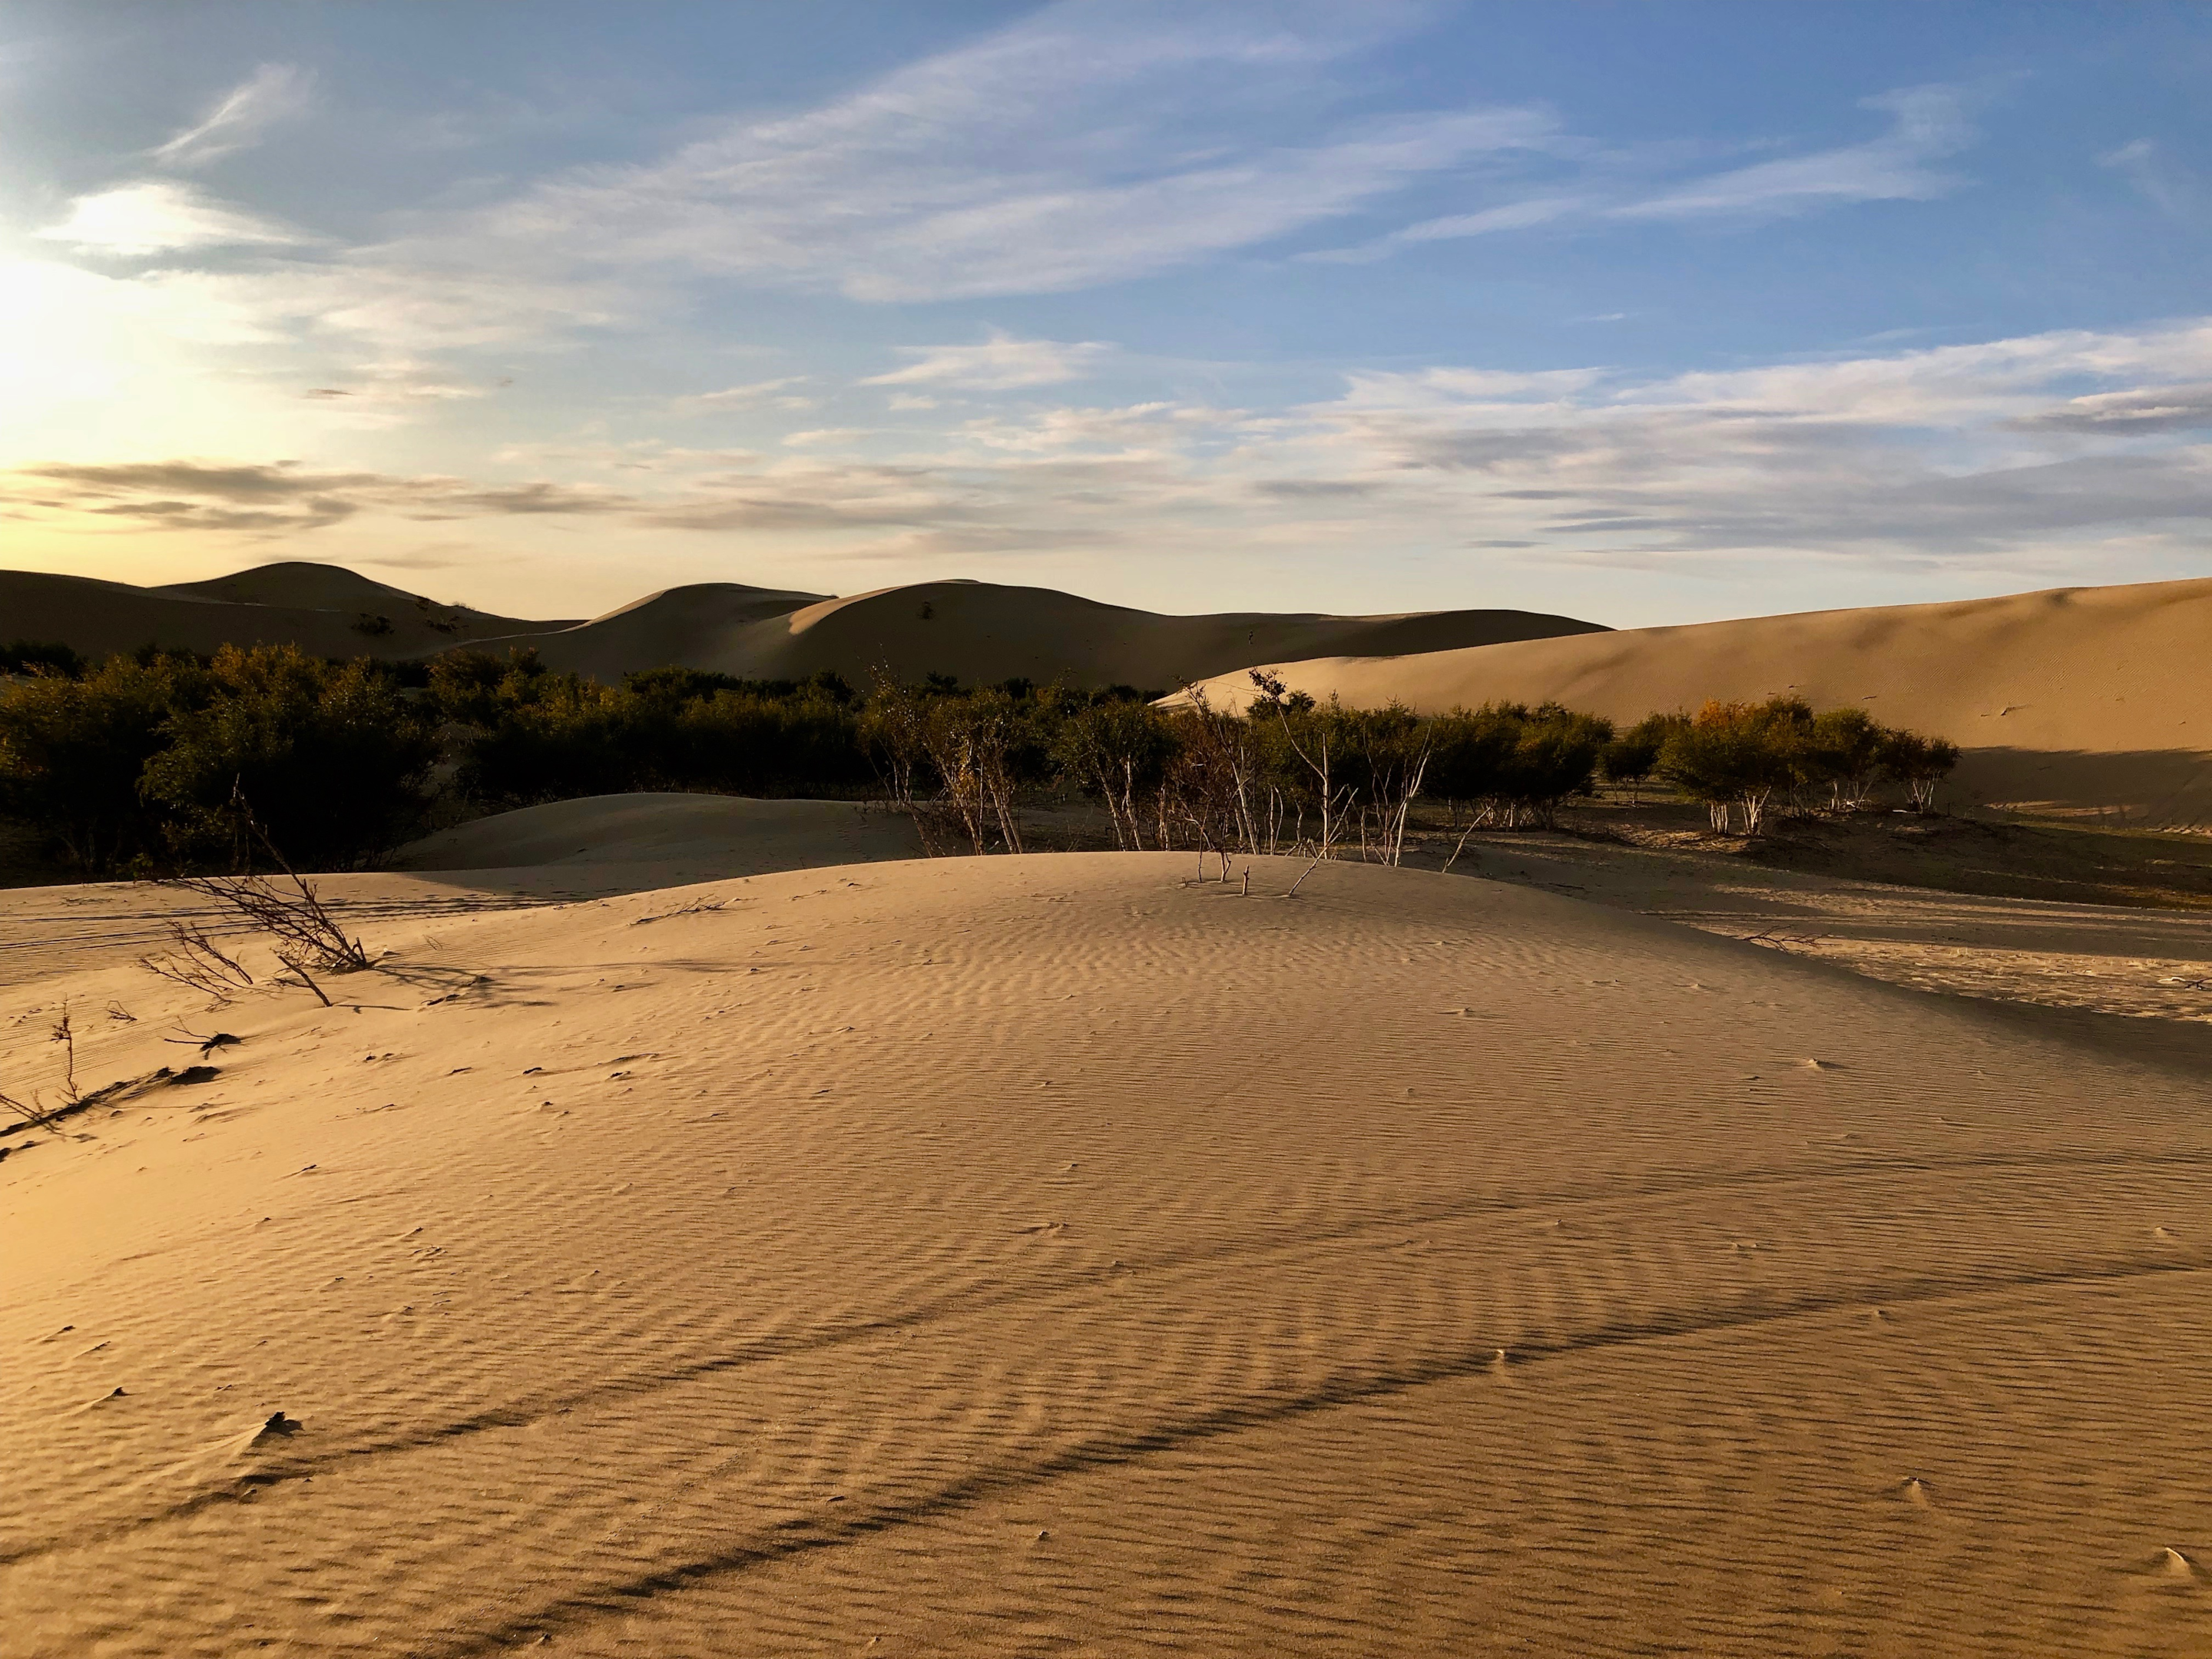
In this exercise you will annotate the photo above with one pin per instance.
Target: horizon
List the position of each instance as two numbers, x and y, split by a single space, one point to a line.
1643 317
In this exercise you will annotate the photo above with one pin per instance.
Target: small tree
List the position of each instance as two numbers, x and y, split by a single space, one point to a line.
1119 749
1632 756
1737 754
1919 763
1842 750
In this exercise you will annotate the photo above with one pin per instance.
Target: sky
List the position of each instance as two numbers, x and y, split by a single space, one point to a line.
1646 313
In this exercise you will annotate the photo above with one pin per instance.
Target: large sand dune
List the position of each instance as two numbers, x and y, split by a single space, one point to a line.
978 632
1016 1255
319 607
2077 699
982 632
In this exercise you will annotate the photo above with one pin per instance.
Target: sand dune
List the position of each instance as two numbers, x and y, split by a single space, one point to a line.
1024 1254
318 607
982 632
979 632
2075 699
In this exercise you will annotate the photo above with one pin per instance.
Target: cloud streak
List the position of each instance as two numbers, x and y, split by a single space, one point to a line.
237 120
1001 363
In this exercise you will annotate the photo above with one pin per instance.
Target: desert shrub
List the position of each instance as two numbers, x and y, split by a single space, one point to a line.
334 758
72 753
1919 763
1842 751
1119 750
1516 764
40 657
1736 756
1632 756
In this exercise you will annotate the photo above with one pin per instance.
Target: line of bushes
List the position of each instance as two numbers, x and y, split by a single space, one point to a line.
136 762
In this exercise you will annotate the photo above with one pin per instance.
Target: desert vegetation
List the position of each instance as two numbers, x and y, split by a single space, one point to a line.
146 764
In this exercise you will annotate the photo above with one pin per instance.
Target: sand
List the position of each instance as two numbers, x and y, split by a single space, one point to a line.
984 632
314 606
671 838
2074 699
1013 1255
981 633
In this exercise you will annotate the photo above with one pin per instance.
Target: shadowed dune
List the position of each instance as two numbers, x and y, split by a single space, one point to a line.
687 838
982 632
978 632
2087 699
1005 1255
314 606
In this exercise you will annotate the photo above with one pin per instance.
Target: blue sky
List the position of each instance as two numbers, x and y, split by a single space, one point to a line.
1643 313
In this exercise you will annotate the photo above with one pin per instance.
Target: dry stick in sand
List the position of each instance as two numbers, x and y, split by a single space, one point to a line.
1302 874
1457 850
64 1033
198 963
305 933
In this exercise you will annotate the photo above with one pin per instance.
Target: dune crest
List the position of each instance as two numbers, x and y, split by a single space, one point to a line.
978 632
985 632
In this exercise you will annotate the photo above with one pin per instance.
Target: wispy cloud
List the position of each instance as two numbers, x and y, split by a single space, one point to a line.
2162 181
1927 124
1091 143
237 120
164 215
1001 363
753 394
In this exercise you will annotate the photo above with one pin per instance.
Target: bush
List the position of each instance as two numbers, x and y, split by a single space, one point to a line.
1737 754
72 752
334 759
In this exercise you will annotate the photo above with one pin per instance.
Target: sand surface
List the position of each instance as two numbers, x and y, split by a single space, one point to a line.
682 837
1022 1255
2085 699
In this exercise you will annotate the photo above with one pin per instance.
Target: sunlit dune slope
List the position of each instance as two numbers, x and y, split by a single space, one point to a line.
1031 1255
2077 698
321 609
982 632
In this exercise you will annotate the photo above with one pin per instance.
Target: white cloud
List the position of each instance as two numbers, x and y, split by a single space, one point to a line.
1986 456
775 393
236 121
1091 143
1927 123
162 215
1001 363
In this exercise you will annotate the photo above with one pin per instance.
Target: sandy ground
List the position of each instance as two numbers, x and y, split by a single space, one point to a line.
2076 700
1026 1255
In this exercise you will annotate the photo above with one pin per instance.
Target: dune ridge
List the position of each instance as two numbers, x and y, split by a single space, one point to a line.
985 632
978 632
313 606
1004 1254
2075 699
